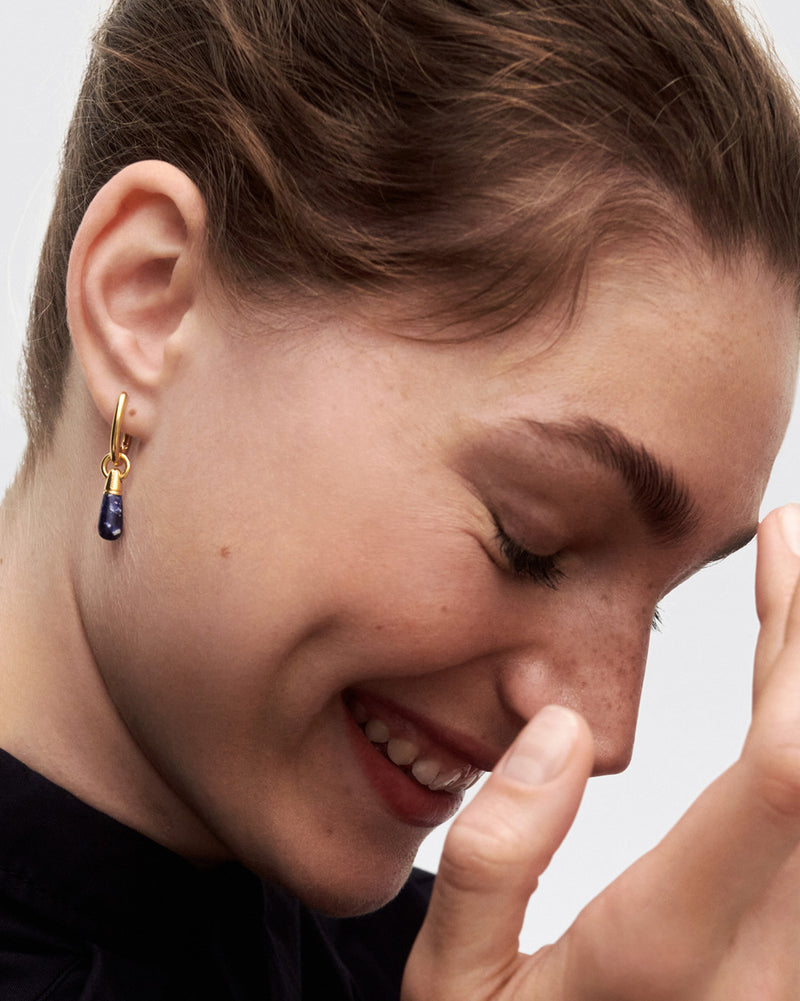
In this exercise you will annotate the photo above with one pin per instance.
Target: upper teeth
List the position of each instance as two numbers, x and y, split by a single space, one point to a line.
402 752
405 753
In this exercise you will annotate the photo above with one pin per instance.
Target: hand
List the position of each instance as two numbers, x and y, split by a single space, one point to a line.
711 914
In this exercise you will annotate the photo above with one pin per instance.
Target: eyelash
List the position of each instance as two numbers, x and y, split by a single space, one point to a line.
543 569
658 620
523 563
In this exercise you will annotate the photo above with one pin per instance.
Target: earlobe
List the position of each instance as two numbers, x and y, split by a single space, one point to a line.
133 273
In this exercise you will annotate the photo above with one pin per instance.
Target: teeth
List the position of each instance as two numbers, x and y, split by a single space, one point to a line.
405 754
377 731
445 779
425 770
402 752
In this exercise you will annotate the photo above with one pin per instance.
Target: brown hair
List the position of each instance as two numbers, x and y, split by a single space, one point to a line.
478 149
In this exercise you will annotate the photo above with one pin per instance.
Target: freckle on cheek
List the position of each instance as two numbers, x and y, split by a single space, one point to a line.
444 608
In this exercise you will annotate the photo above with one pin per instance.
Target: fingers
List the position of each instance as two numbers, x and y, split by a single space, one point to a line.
670 925
747 823
777 572
717 863
773 743
495 852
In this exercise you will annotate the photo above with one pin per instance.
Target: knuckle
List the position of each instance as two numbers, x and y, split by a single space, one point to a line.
476 856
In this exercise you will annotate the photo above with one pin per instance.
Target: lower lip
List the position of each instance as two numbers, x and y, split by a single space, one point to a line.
405 798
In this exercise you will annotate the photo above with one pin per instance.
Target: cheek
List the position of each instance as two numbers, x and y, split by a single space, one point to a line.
273 627
432 604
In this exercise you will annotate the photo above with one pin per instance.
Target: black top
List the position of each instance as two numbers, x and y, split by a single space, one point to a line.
91 910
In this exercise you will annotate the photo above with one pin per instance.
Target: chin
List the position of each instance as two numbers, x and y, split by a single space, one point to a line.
349 889
349 905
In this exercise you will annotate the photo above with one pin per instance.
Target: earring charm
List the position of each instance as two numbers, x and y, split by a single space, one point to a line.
115 466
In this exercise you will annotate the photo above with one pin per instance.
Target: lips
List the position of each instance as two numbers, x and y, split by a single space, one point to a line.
420 774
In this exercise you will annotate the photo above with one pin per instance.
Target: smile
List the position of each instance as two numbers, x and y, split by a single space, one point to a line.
435 768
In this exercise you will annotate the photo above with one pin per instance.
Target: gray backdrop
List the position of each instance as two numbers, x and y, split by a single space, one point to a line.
696 700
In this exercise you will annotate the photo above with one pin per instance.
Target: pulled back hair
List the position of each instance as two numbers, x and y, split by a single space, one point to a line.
476 150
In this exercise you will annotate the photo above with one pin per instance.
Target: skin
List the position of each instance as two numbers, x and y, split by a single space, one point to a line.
311 507
711 914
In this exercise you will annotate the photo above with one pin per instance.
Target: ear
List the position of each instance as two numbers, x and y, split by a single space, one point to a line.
133 273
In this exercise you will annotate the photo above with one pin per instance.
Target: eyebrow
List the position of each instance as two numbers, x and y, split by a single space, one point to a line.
662 500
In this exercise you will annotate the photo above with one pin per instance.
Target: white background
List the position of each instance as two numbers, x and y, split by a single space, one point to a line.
696 700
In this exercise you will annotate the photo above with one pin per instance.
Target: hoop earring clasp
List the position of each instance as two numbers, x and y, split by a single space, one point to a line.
115 467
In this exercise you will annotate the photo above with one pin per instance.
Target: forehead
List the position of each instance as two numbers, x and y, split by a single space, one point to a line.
695 359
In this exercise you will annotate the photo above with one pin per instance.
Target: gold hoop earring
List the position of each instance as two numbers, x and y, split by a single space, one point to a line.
115 466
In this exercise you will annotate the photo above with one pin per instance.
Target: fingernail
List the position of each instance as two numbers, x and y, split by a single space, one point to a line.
790 526
542 749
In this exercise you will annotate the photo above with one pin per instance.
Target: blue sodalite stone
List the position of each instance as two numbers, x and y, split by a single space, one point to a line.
110 524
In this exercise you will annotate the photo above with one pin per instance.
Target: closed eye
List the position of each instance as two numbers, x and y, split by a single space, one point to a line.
542 569
523 563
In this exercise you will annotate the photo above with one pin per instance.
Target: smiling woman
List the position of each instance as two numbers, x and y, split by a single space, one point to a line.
438 341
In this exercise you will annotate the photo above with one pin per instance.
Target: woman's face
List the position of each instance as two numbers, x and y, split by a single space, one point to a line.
345 525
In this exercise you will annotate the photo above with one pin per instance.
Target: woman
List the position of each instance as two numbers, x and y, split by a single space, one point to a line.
437 341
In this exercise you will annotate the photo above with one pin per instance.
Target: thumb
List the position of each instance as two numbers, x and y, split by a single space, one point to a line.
493 856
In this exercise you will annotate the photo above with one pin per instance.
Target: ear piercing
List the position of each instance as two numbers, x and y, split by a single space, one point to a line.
115 466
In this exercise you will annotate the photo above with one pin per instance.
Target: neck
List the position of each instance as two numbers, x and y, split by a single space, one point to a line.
57 715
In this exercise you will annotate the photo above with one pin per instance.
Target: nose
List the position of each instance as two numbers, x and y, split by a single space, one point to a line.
589 663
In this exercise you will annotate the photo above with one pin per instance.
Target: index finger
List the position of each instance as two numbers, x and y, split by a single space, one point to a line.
776 579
